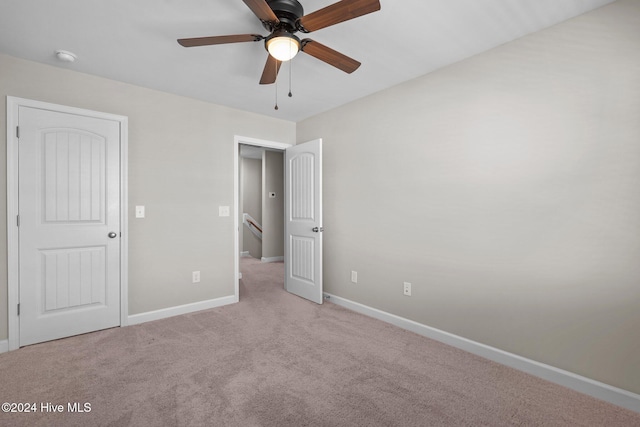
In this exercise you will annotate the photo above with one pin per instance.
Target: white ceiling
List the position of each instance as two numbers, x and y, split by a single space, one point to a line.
134 41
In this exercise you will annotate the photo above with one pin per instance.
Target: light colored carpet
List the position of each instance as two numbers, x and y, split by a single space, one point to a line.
277 360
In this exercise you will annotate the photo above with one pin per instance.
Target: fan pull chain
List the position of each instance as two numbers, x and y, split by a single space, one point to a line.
276 107
290 67
276 85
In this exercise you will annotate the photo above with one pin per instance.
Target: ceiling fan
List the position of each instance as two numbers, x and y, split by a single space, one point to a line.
284 18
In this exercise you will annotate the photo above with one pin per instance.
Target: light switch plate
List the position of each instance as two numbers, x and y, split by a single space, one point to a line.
223 211
139 211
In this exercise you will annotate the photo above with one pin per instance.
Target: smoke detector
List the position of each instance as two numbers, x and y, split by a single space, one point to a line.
66 56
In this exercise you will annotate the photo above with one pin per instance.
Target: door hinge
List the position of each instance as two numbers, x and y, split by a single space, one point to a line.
18 309
18 220
18 132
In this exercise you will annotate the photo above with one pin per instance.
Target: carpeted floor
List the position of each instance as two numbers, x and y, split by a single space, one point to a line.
277 360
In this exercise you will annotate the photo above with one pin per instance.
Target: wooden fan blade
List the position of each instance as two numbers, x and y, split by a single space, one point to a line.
330 56
262 10
270 71
338 12
207 41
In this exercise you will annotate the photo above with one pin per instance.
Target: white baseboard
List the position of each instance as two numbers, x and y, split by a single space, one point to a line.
4 346
149 316
245 254
272 259
602 391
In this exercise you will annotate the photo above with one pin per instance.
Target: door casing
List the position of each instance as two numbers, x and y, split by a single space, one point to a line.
13 297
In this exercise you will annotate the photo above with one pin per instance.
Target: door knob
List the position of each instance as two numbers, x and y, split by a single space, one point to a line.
112 234
316 229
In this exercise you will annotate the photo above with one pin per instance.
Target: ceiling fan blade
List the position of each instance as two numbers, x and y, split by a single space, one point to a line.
270 71
207 41
262 10
338 12
330 56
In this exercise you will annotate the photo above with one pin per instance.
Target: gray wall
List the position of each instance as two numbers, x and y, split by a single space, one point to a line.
180 168
273 209
251 186
505 188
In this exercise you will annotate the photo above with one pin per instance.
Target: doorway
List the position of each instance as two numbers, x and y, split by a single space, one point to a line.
261 201
303 225
247 240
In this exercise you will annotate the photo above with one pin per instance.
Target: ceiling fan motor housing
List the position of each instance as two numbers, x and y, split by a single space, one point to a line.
288 12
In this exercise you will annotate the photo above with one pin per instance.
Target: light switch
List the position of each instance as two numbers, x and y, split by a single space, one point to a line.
139 211
223 211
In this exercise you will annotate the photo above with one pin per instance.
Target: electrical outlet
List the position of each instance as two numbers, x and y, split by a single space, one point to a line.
195 277
407 289
354 276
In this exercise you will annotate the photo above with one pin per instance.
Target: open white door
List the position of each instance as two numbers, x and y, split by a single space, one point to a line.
303 220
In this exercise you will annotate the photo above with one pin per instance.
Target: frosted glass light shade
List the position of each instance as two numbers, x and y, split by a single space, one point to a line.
283 48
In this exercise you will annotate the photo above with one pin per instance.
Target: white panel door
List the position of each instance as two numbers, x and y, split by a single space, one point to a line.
303 220
69 230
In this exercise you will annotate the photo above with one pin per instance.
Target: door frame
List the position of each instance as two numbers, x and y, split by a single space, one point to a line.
13 104
237 140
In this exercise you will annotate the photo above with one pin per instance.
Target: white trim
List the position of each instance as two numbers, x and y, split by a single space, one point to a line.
4 346
124 221
164 313
13 104
272 259
13 330
602 391
237 140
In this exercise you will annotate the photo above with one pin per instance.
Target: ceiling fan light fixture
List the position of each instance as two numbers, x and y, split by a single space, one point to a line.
283 46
